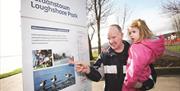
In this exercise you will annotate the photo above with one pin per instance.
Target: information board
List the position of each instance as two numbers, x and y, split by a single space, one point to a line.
53 32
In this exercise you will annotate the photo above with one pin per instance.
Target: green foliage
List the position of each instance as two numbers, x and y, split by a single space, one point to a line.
174 48
95 55
16 71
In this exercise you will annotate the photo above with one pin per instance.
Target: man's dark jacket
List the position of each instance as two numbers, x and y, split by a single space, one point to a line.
113 82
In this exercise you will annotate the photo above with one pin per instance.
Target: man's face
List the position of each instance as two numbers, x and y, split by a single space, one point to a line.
115 38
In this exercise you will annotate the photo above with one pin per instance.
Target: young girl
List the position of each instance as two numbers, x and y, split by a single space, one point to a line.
144 50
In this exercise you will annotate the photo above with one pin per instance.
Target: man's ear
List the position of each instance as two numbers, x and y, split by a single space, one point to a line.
122 34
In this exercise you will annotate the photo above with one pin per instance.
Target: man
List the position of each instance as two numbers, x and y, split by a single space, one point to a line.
110 63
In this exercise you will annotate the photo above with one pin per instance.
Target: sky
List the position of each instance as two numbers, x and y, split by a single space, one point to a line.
148 10
10 35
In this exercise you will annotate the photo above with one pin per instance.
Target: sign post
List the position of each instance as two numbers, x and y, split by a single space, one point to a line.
53 32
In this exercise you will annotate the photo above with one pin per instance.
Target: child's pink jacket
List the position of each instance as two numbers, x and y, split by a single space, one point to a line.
141 54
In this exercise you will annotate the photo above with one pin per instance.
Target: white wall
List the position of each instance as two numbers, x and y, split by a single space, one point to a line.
10 36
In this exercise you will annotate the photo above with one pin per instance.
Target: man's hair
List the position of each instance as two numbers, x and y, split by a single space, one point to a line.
117 26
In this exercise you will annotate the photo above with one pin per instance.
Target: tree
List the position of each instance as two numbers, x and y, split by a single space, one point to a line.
172 8
90 48
98 11
124 15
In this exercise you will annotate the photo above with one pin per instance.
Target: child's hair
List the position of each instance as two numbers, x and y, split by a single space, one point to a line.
144 31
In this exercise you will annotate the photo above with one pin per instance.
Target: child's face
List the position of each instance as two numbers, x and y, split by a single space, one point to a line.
134 34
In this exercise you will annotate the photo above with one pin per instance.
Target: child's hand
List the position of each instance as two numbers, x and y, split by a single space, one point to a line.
138 85
82 68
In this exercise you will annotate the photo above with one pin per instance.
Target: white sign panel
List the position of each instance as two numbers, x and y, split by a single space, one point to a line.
49 42
64 11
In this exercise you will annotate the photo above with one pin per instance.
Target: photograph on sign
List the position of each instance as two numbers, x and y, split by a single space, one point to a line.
54 79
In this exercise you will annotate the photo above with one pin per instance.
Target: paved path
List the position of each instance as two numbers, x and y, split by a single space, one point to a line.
12 83
167 83
164 83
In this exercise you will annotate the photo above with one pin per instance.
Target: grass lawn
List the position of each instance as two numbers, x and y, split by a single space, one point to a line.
16 71
95 55
174 48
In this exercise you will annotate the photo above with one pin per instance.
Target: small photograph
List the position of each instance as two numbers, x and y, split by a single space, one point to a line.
62 58
54 79
42 58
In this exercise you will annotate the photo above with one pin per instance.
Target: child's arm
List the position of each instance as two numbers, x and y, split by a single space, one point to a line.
139 58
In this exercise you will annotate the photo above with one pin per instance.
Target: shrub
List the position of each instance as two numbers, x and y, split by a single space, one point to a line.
167 61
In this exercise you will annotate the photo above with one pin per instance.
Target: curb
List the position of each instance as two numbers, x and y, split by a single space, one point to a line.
167 70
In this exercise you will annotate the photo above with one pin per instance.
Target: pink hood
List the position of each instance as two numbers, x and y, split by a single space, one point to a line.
156 45
142 54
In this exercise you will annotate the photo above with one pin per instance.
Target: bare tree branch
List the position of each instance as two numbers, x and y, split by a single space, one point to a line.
98 11
172 8
123 15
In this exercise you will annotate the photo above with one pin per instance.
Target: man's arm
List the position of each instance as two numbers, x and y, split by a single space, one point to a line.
94 75
97 71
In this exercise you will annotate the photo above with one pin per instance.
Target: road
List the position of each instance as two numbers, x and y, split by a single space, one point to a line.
164 83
